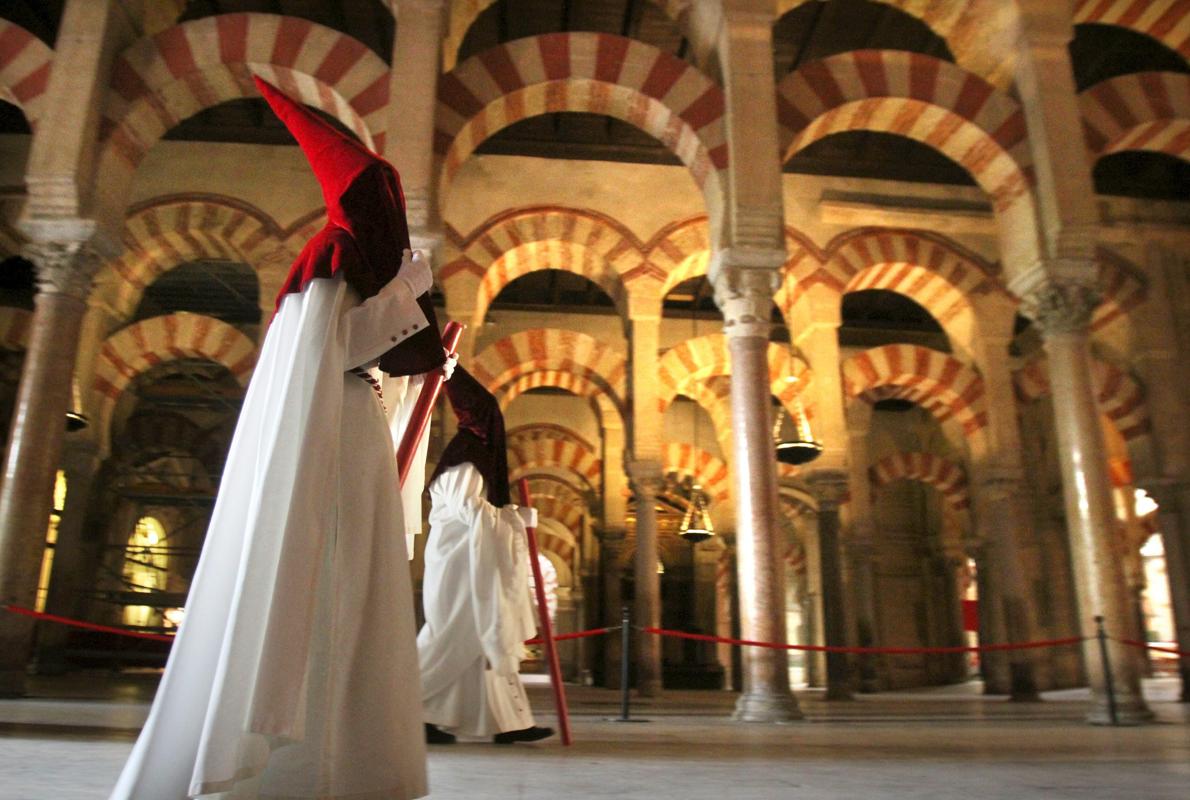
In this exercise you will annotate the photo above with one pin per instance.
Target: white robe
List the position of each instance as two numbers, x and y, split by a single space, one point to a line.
477 607
294 673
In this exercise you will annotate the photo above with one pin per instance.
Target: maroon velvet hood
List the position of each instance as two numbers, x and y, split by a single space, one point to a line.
480 440
366 230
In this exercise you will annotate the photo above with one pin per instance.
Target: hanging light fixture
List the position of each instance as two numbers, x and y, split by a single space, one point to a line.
802 449
696 522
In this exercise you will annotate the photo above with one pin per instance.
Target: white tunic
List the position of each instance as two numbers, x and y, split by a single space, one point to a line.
294 674
477 607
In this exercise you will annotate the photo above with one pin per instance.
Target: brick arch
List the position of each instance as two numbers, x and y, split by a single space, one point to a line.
530 452
1121 399
681 251
25 65
542 255
941 473
713 397
543 483
501 364
1124 288
161 80
710 472
586 72
565 513
1147 111
550 430
142 346
919 97
14 328
1163 20
707 356
607 407
949 389
164 234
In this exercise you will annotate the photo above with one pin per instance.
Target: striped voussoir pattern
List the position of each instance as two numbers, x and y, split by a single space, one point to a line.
526 453
1124 288
161 80
707 470
541 484
703 357
949 389
1167 21
917 96
164 235
25 65
14 328
587 72
1121 399
1143 111
550 430
140 347
567 514
943 474
502 363
578 385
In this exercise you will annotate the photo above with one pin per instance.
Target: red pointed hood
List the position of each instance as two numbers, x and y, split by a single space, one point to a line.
363 200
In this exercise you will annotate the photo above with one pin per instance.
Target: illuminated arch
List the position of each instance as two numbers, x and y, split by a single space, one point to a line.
25 65
1147 111
943 474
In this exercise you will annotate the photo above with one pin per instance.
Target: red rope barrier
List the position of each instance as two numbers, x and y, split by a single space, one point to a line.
579 635
89 626
819 648
1147 646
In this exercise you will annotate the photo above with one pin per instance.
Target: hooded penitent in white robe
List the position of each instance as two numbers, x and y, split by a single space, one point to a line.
294 673
477 608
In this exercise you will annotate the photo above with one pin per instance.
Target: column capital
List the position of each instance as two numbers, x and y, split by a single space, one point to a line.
1062 306
645 475
830 487
745 280
64 267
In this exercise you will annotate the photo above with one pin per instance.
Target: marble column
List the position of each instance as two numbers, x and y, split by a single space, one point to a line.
646 480
812 610
64 273
859 542
830 488
744 293
80 463
1062 311
612 606
1173 520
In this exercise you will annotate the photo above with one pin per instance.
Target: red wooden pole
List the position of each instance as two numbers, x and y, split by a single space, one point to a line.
547 626
420 418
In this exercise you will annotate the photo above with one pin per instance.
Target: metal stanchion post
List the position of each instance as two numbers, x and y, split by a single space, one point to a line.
625 660
1101 635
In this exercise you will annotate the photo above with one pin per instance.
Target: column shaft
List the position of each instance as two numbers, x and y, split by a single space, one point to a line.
646 582
830 489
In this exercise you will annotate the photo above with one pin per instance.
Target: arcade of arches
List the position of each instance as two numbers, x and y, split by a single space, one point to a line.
949 245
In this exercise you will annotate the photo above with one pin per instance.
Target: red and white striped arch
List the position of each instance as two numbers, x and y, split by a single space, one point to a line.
920 97
504 363
14 328
544 483
710 472
550 430
158 340
1124 288
681 252
25 65
163 235
577 385
1121 399
949 389
161 80
704 357
1147 111
529 452
943 474
554 539
587 72
1167 21
713 396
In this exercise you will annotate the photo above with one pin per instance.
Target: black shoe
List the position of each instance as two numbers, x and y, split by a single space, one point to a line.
435 735
533 734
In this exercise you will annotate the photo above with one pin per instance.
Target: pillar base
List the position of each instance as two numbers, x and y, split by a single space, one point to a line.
1024 685
12 683
767 707
1184 674
1130 710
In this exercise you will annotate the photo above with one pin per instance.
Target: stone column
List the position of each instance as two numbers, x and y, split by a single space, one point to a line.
955 565
80 462
1173 519
723 615
830 488
859 542
812 611
1062 310
993 665
744 286
64 273
646 480
612 605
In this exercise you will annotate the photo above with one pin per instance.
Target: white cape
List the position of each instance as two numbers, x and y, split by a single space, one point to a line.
294 674
477 608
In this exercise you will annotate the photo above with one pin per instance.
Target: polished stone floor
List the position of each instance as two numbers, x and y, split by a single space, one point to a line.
69 743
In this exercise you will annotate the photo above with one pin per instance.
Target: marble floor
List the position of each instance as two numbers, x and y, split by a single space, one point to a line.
69 742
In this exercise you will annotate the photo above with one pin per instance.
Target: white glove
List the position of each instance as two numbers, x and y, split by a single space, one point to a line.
528 516
415 272
448 368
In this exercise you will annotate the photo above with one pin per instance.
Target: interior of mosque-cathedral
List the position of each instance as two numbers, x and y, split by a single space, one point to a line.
949 242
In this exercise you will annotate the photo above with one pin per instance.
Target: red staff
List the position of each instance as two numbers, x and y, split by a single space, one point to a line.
430 389
547 627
